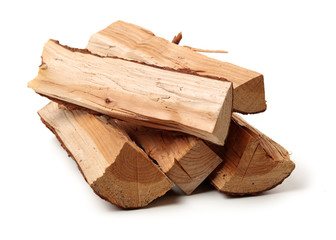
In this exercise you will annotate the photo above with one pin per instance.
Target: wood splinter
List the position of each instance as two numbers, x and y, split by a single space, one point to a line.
206 50
177 38
111 163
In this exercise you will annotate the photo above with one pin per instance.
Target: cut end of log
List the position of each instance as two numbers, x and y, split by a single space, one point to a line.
252 162
194 167
250 96
222 126
133 181
263 174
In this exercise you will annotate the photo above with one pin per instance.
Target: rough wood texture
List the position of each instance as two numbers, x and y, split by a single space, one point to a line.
185 159
114 166
132 42
252 162
136 92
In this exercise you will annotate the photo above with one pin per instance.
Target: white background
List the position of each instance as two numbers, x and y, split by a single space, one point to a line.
44 196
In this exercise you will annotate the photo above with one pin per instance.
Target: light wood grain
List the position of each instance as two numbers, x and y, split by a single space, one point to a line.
185 159
113 165
252 162
136 92
132 42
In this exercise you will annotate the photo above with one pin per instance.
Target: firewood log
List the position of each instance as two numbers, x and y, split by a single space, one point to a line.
185 159
252 162
132 42
113 165
146 95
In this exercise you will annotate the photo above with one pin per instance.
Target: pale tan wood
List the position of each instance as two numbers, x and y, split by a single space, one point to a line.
132 42
252 162
113 165
136 92
185 159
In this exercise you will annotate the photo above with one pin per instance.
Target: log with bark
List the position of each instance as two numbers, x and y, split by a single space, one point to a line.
132 42
252 162
136 92
111 163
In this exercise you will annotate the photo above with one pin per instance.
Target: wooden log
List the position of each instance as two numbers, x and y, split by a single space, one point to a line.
113 165
185 159
131 91
252 162
132 42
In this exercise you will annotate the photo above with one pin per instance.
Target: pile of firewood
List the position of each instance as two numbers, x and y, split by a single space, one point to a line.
140 114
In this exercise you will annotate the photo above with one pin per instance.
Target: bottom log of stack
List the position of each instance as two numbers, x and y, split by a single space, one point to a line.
111 163
252 162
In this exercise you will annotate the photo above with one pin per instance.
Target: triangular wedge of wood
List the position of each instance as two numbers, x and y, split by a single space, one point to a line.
252 162
105 154
139 114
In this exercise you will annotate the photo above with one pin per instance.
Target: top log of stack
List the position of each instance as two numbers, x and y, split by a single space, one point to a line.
132 42
130 74
136 92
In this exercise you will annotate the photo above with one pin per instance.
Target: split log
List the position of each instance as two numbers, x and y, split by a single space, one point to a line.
185 159
252 162
132 42
136 92
113 165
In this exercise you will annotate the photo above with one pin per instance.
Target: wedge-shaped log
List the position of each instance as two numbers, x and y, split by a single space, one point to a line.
185 159
132 42
136 92
252 162
113 165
